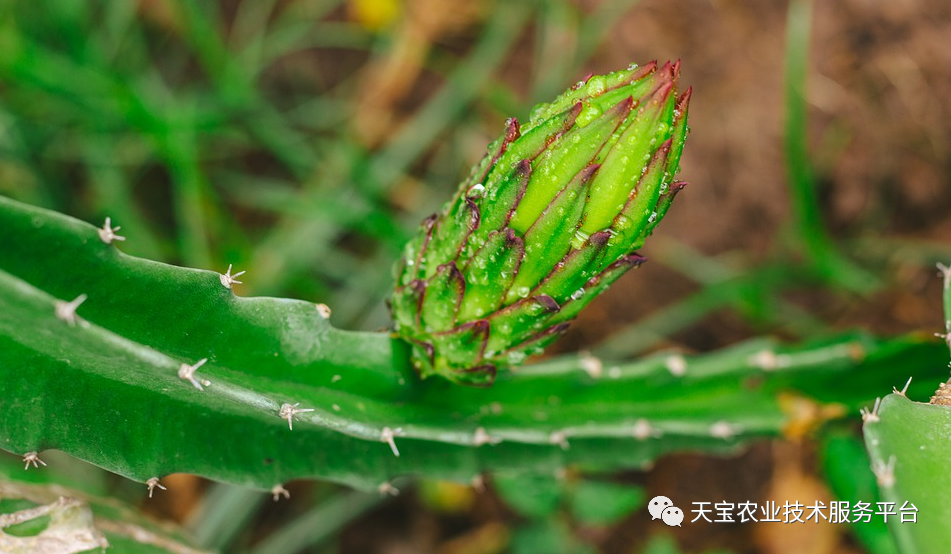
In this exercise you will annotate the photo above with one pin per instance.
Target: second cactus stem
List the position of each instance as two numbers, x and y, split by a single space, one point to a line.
910 444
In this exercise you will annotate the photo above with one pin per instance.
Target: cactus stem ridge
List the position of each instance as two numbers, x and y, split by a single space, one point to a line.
228 280
152 483
107 233
66 311
32 458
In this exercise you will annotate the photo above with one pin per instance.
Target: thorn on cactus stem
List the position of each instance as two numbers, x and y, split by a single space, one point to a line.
388 435
903 389
482 437
289 412
676 365
478 483
107 233
643 430
885 472
722 430
152 483
278 491
228 280
944 271
945 336
32 458
767 360
386 489
560 438
871 416
187 372
591 365
66 311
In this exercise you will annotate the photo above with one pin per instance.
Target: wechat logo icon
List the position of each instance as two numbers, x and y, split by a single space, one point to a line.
663 508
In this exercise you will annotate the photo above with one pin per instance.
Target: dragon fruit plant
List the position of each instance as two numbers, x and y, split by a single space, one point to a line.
549 218
147 369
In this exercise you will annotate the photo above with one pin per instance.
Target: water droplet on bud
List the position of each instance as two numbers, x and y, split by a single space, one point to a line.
588 114
516 357
579 239
476 191
597 85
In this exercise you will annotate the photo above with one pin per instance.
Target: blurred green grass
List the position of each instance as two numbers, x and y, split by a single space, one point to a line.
219 133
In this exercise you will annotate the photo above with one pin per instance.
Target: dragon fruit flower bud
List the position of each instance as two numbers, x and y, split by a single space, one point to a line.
548 219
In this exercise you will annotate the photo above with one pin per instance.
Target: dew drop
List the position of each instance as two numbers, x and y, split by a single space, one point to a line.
597 85
476 191
516 357
576 295
588 114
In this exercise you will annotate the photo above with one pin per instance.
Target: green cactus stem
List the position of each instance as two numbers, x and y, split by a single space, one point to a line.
909 447
39 515
545 222
910 444
283 395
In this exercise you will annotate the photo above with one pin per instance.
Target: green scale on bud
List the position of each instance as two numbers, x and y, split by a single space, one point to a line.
546 221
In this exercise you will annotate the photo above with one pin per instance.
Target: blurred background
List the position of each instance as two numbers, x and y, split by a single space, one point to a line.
303 140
